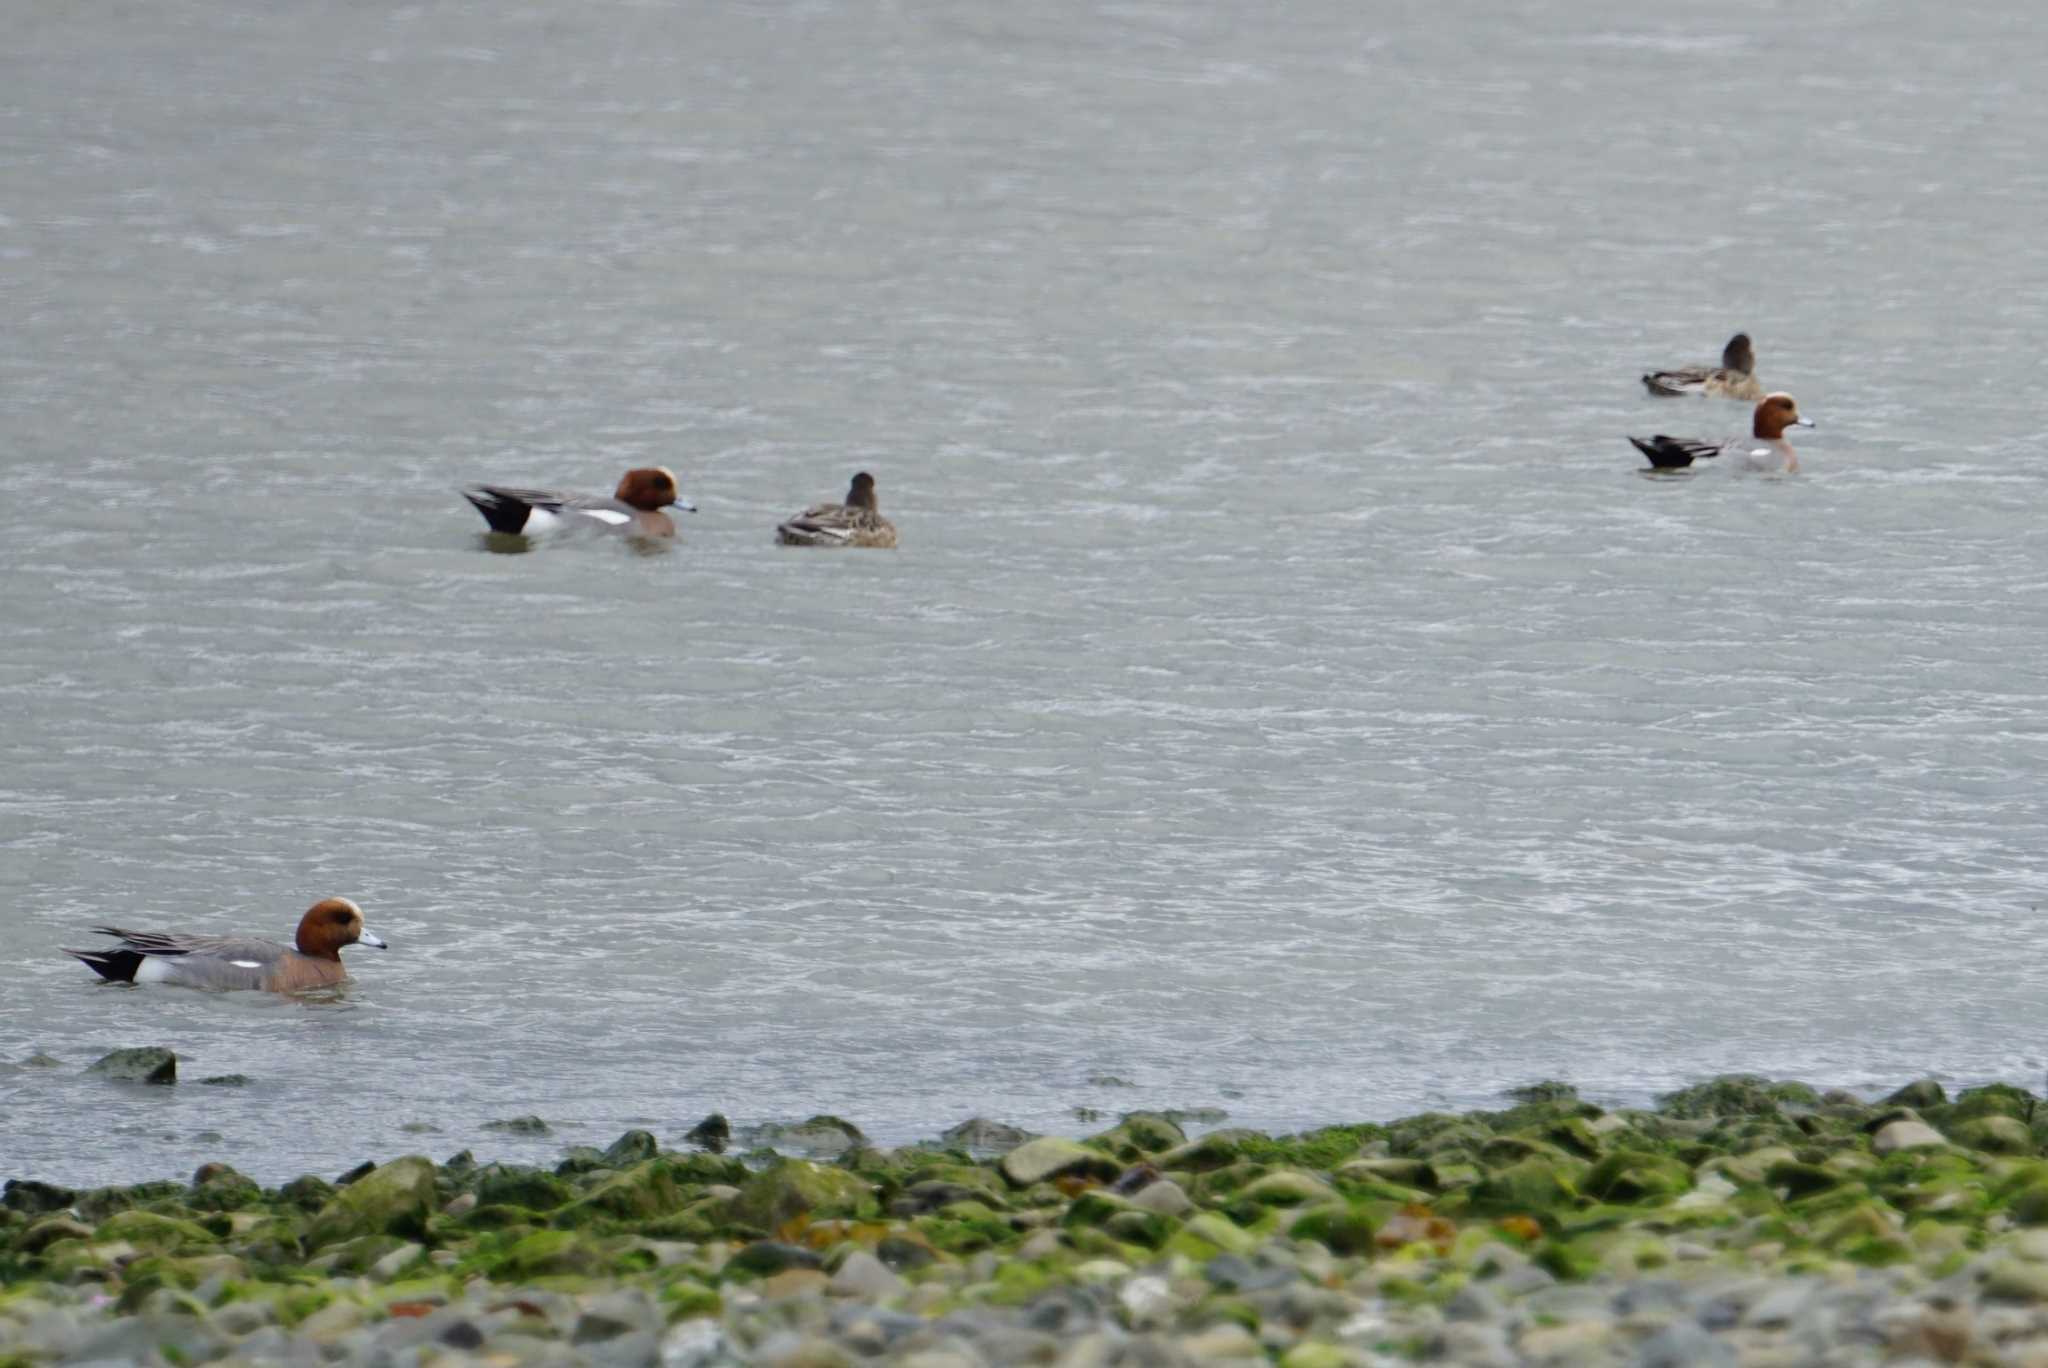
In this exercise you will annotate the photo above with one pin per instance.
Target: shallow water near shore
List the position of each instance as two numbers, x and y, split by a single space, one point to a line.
1287 698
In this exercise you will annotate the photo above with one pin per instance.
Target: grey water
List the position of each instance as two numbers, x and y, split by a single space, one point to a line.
1288 698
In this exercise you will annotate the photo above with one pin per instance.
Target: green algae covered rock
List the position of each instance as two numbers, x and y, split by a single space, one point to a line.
797 1187
520 1185
1994 1099
2029 1206
216 1187
148 1230
1919 1094
1994 1134
1634 1178
1415 1174
552 1252
1049 1157
394 1199
1530 1188
307 1192
1287 1187
1340 1227
643 1192
1737 1095
1138 1136
1209 1233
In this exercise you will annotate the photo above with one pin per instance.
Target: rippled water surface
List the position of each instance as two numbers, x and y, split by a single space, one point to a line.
1287 698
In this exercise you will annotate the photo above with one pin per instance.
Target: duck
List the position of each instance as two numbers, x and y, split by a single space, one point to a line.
857 522
1734 378
1765 449
637 508
227 963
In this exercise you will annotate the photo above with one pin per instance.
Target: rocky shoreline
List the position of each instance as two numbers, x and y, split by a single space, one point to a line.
1741 1221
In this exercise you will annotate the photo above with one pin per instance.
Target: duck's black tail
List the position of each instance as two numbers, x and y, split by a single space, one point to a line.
504 509
1664 452
117 966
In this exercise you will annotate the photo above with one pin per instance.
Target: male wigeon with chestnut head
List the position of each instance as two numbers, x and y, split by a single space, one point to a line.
637 508
1764 449
1734 378
224 963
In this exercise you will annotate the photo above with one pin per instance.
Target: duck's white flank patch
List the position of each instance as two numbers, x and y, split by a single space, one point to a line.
153 970
245 964
610 515
540 520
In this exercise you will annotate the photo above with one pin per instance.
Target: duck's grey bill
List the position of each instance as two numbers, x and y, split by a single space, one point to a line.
372 938
686 505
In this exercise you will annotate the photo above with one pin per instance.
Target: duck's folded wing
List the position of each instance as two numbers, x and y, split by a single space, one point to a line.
1680 380
254 950
833 522
610 512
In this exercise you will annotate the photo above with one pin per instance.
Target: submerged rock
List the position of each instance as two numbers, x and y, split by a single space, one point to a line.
713 1133
144 1064
982 1137
819 1137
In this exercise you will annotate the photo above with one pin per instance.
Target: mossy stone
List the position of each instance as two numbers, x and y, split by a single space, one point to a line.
1528 1188
1288 1188
797 1187
393 1199
553 1252
643 1192
1920 1094
1417 1174
1627 1177
1050 1157
48 1231
2029 1206
1994 1134
32 1198
1340 1227
148 1230
1094 1207
307 1192
520 1185
634 1147
1737 1095
359 1254
1994 1099
1139 1135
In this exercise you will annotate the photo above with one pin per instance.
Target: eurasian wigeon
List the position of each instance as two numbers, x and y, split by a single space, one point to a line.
1734 378
1764 449
229 962
634 509
857 522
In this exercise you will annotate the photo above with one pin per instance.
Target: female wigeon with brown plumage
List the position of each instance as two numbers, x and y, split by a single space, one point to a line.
224 963
857 522
1734 378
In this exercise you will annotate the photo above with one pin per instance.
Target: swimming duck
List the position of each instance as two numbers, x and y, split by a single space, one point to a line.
634 509
1764 449
223 963
857 522
1732 379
